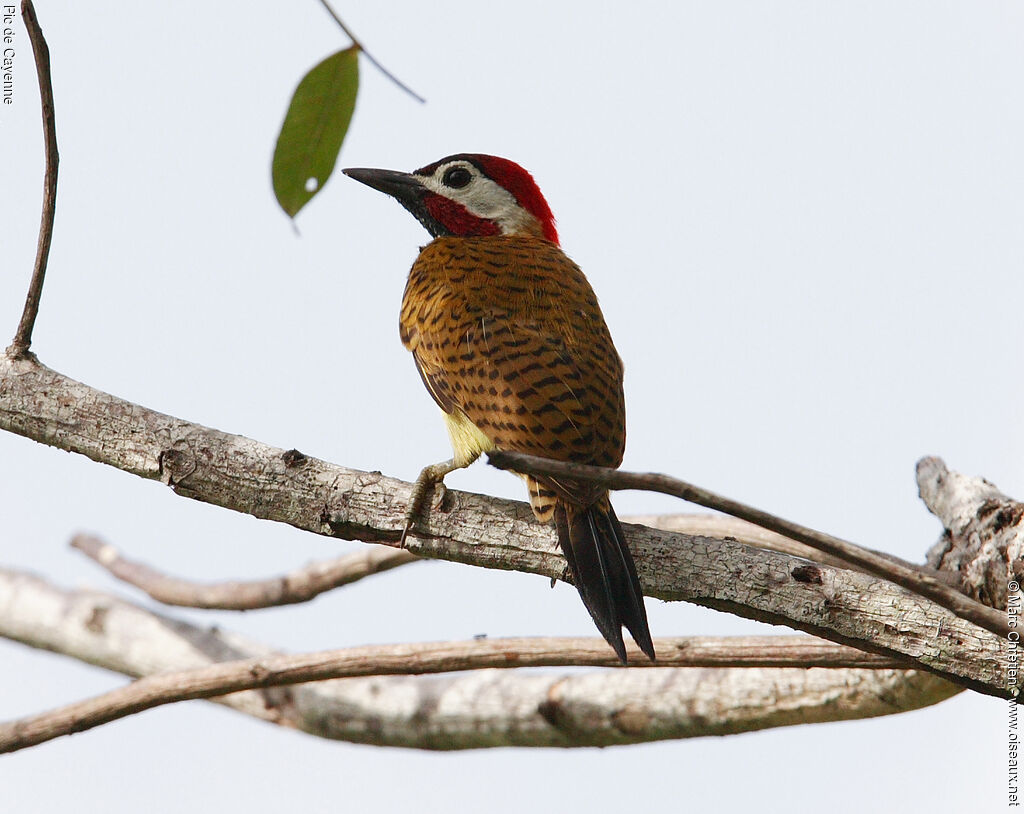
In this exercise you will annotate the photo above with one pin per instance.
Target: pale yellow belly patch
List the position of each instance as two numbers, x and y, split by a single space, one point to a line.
468 442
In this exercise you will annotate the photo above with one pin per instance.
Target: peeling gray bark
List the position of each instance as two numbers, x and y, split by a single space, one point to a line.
983 541
242 474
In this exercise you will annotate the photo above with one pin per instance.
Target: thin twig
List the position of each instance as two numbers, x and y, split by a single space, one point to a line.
300 585
417 659
369 56
720 525
23 338
881 566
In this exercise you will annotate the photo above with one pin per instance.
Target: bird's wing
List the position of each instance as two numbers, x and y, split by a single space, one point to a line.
436 383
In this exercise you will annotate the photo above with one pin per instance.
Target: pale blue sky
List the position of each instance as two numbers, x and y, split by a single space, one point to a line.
804 222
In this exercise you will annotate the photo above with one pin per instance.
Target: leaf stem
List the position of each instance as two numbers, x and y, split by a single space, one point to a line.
369 56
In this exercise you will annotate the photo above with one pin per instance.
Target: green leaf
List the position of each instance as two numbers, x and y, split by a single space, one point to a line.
313 129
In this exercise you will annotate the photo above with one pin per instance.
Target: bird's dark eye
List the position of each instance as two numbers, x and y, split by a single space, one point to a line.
457 177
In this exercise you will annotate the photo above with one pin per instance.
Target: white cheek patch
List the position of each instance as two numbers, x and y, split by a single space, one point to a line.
483 198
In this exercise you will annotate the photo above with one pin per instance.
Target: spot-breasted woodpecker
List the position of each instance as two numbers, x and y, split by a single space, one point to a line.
510 341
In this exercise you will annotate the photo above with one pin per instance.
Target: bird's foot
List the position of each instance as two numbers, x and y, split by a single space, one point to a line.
431 479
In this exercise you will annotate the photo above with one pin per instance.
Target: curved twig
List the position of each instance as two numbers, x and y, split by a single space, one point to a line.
23 337
298 586
910 577
418 659
721 525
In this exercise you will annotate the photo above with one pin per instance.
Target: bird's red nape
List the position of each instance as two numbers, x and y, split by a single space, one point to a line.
522 186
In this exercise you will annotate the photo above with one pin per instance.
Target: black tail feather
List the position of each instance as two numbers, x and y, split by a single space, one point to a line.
602 567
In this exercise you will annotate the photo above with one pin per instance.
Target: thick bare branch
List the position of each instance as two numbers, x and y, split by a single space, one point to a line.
300 585
23 338
910 577
485 708
241 474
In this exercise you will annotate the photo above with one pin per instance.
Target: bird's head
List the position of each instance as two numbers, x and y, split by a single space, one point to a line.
468 195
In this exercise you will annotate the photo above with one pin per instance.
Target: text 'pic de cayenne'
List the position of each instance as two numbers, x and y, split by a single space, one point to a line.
510 341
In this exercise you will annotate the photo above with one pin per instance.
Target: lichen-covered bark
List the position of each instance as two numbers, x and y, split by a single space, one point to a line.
983 541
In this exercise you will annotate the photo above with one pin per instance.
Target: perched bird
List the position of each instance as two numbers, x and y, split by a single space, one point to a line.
510 341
